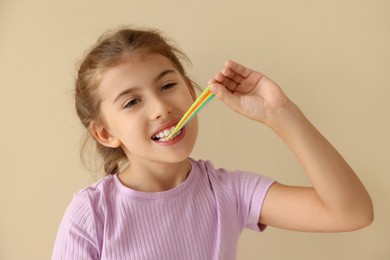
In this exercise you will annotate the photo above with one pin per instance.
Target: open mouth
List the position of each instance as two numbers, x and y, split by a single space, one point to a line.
162 136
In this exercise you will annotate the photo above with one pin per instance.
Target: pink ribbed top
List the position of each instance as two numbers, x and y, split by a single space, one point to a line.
201 218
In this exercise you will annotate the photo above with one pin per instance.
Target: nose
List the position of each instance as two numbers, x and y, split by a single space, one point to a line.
159 108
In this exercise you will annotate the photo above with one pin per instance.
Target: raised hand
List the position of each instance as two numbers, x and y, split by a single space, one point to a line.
248 92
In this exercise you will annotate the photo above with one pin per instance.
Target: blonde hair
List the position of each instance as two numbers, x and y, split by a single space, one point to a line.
110 50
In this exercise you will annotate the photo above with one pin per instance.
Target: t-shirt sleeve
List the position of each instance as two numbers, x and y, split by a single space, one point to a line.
251 190
76 237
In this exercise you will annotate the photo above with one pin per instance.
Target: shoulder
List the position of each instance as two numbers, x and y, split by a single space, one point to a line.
98 187
224 176
80 227
97 191
243 191
88 202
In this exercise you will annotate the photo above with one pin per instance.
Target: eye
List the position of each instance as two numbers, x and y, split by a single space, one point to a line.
131 103
168 86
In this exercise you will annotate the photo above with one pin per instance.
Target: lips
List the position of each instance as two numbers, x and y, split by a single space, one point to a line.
164 128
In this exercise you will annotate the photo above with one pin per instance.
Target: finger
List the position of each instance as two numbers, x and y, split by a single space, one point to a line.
211 81
228 83
225 96
227 72
238 68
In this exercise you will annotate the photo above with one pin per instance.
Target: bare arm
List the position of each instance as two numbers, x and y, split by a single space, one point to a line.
337 200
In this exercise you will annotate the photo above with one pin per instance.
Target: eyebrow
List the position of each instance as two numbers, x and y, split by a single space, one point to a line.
134 89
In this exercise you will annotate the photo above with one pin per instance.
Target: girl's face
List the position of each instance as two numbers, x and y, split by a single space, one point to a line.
141 98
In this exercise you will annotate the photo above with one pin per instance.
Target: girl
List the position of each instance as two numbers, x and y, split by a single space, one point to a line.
131 91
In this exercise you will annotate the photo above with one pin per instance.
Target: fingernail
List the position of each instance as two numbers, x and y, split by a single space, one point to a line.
213 88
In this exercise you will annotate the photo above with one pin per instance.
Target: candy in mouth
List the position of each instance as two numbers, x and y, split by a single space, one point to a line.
162 136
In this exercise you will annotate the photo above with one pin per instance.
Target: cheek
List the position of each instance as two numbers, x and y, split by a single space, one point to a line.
131 129
189 98
194 123
192 93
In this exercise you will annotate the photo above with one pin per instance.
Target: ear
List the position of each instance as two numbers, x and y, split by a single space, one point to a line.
103 135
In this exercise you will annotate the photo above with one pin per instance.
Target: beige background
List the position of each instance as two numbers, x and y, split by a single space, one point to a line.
331 57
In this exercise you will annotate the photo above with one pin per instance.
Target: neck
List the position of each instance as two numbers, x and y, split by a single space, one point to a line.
154 176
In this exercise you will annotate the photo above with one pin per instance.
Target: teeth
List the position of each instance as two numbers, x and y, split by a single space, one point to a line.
162 136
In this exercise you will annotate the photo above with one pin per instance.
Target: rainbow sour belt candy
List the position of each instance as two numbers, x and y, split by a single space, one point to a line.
199 103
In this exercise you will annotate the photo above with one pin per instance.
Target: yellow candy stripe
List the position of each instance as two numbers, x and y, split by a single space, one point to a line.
194 108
